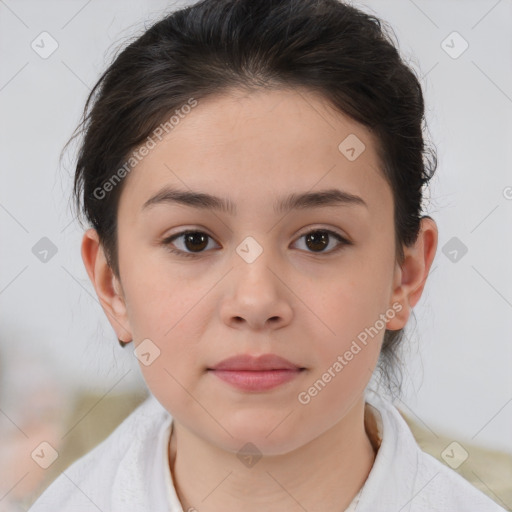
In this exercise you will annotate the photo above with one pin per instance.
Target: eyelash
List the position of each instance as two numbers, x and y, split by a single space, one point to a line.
167 241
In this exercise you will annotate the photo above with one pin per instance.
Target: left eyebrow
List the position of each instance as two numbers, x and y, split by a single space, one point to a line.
294 201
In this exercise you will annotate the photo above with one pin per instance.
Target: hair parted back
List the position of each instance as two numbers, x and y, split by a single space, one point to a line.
326 46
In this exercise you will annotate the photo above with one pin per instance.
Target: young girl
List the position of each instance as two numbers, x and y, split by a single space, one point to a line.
285 140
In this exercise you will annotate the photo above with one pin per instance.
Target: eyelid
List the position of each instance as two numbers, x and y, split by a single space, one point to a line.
334 231
166 242
342 239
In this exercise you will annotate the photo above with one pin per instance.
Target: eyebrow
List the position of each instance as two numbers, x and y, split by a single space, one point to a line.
294 201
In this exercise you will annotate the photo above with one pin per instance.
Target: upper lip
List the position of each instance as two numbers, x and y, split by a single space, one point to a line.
247 362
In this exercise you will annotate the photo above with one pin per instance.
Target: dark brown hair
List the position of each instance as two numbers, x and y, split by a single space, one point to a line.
326 46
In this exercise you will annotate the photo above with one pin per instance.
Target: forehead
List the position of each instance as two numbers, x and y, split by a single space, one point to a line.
260 145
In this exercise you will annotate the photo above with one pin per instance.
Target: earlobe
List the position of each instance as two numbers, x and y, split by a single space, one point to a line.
108 289
410 278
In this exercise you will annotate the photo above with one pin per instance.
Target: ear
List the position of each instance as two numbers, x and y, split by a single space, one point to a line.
410 278
107 286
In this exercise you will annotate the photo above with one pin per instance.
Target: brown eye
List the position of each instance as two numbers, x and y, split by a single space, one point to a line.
196 241
192 243
318 240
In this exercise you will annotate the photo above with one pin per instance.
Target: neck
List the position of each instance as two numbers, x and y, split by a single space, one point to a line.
325 474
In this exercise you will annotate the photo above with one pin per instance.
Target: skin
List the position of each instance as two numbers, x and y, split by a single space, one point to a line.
304 305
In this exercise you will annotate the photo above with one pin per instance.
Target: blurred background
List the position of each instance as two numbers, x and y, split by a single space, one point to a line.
65 381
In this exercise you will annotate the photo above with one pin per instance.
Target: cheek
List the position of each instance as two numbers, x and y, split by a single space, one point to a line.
159 298
163 308
351 304
350 310
346 357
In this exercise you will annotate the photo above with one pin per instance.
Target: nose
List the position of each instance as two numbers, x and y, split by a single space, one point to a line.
256 297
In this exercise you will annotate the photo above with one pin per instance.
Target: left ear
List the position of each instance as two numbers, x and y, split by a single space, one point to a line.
410 278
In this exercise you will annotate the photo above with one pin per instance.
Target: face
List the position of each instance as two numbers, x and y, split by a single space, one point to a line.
307 284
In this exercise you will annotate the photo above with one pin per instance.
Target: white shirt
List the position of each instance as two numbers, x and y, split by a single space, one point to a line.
129 472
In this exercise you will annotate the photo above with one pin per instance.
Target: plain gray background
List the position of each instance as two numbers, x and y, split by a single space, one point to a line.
459 356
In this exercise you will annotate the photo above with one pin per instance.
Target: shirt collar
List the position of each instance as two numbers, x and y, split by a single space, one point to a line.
391 480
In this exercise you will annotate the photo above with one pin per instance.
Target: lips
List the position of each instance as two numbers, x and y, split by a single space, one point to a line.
246 362
256 374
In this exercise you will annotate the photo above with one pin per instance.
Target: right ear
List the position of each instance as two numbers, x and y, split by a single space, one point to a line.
108 288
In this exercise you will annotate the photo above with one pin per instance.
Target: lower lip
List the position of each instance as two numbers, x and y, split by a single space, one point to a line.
256 380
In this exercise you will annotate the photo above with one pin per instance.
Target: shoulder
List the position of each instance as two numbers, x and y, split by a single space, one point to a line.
404 477
441 487
94 479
